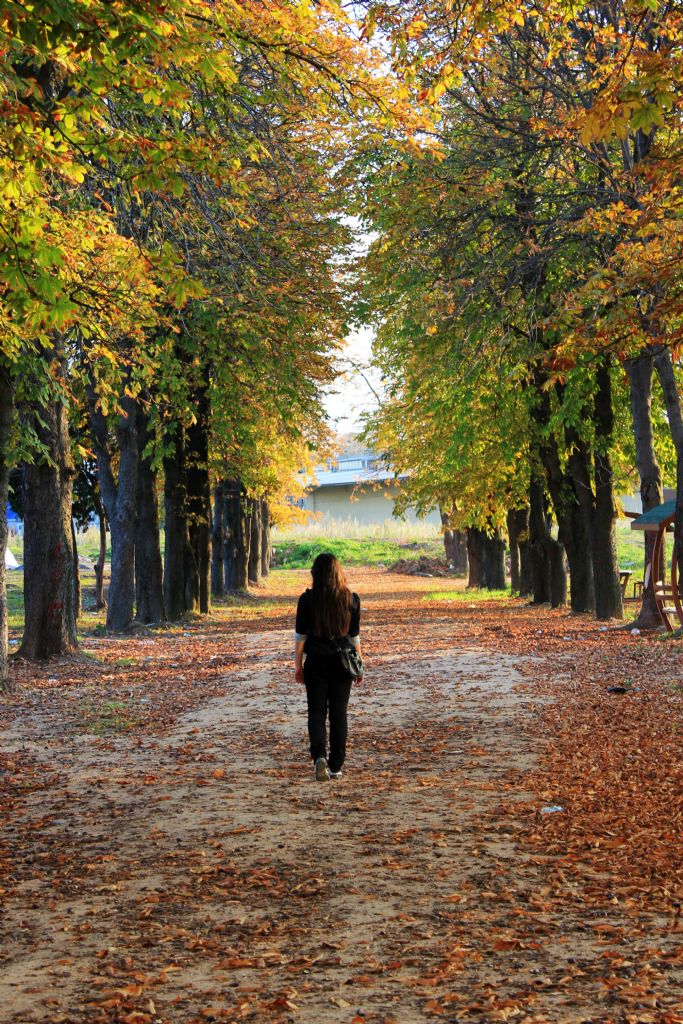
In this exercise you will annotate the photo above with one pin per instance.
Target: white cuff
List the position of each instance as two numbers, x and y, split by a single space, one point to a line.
299 637
355 642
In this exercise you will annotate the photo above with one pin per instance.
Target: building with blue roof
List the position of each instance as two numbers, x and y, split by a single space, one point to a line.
357 486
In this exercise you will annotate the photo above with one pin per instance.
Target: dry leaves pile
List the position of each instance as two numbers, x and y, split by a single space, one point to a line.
505 844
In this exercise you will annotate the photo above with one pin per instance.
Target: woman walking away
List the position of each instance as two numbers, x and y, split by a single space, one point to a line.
327 632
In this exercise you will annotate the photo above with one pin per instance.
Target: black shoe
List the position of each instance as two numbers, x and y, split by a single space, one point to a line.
321 770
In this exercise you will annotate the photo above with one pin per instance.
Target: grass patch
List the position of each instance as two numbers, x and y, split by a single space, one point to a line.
300 554
354 543
631 552
15 599
468 596
398 530
107 717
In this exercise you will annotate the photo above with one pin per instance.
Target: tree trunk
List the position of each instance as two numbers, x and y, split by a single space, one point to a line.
518 534
572 532
217 577
495 562
232 497
570 520
486 555
667 379
49 585
122 524
579 466
457 550
526 575
254 566
6 418
120 503
243 541
454 543
608 596
149 593
77 572
181 579
199 495
265 538
244 544
475 564
516 521
546 555
101 559
639 372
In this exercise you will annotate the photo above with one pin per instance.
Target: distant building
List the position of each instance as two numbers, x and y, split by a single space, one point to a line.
357 486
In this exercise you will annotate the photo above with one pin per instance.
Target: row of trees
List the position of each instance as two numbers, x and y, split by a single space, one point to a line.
525 277
172 263
175 277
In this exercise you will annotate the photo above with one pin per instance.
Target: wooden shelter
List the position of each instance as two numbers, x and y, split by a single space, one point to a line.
660 520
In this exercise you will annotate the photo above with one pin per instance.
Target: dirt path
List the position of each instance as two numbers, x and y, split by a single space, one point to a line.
201 874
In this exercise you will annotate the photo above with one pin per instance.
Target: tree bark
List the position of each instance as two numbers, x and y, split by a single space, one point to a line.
181 578
526 575
578 533
217 554
454 543
518 536
608 596
122 520
265 538
639 372
243 541
570 521
199 495
149 593
6 419
77 572
100 563
254 565
546 555
486 556
232 497
672 403
120 502
49 585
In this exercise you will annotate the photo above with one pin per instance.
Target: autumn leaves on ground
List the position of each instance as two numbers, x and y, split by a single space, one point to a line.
504 845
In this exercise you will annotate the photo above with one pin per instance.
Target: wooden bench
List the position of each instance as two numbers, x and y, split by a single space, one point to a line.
665 596
624 577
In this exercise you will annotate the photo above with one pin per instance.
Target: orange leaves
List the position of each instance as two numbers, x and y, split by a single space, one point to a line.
267 898
512 943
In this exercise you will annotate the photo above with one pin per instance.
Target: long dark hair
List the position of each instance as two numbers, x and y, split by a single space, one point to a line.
331 597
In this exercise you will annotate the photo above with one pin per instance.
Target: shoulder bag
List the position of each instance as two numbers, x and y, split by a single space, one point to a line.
351 661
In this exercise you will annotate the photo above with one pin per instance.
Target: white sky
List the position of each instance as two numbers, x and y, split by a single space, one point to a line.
352 395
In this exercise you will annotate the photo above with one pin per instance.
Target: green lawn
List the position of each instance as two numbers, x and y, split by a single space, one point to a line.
15 599
300 554
630 549
449 593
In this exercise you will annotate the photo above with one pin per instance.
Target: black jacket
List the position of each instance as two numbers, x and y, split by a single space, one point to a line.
304 619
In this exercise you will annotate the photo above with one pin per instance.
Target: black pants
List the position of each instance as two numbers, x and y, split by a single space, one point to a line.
327 690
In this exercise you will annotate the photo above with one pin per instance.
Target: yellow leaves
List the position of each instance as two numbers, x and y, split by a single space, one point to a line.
11 189
416 28
436 92
596 124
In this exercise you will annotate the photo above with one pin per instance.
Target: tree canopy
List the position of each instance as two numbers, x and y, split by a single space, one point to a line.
178 270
